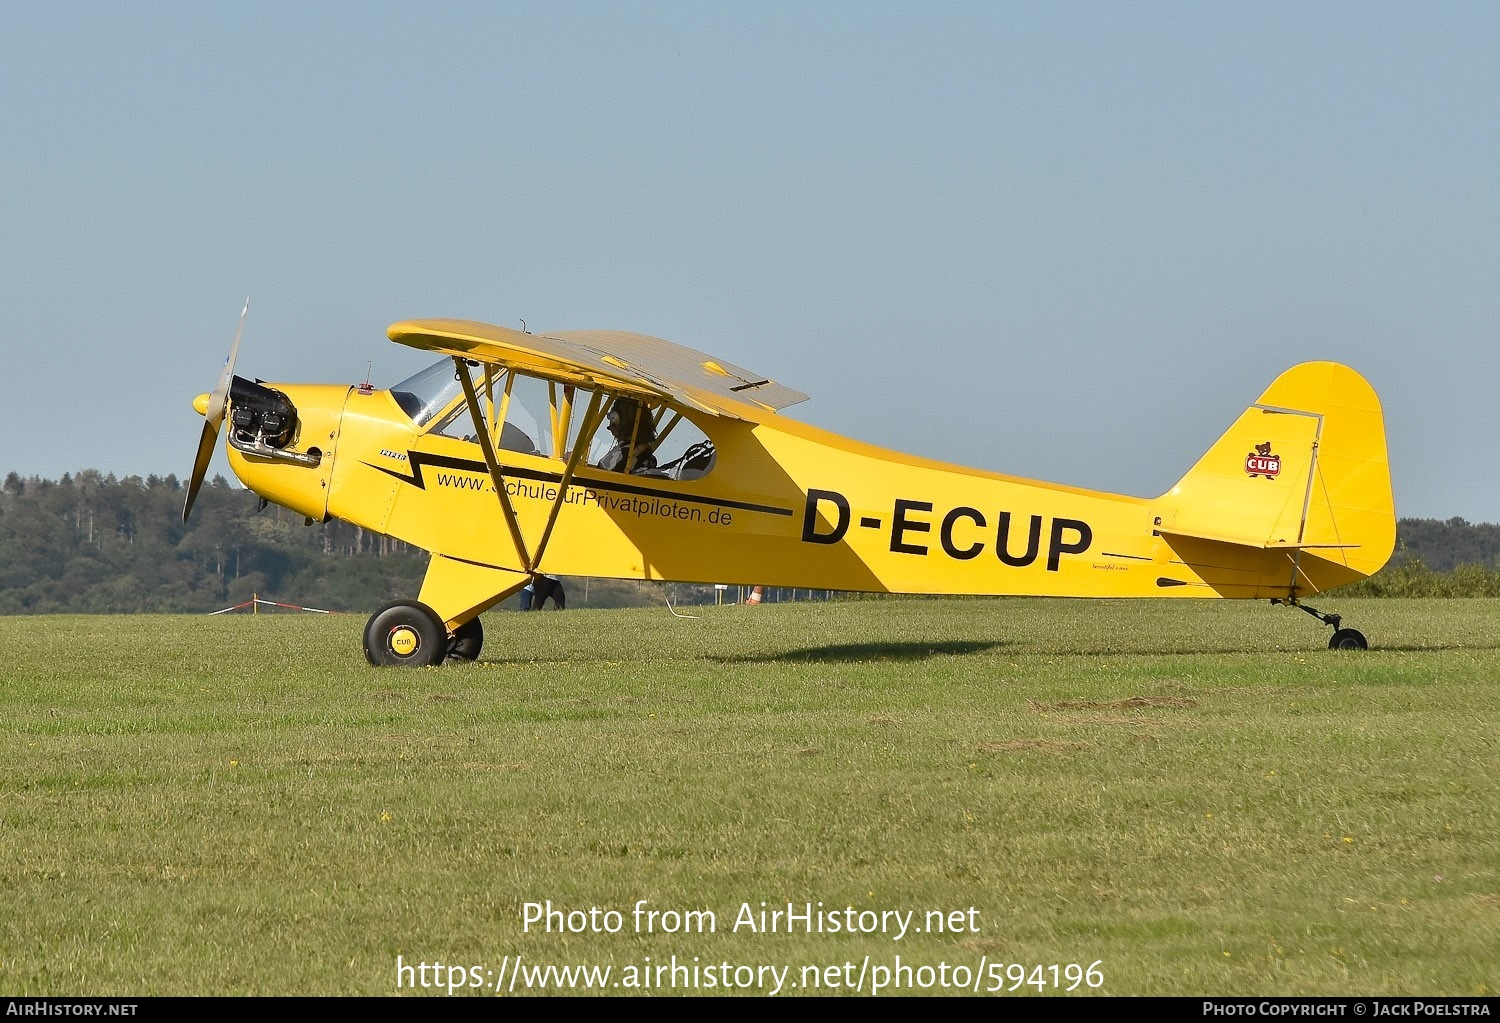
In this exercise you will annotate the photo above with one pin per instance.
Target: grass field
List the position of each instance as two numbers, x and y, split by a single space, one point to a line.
1190 798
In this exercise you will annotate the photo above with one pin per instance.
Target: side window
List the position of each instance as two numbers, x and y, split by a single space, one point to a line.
508 399
645 439
545 418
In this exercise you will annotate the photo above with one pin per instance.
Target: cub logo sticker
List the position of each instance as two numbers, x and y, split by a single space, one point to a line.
1261 462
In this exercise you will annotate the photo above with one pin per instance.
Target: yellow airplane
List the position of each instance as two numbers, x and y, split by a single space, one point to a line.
612 454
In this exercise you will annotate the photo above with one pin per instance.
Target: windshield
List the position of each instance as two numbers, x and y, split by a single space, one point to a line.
423 395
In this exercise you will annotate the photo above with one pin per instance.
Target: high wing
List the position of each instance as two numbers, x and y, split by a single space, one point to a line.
608 360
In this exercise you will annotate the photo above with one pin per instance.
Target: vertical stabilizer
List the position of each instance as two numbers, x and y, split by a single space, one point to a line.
1303 475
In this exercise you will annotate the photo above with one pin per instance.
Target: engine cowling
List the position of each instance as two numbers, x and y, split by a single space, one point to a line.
260 417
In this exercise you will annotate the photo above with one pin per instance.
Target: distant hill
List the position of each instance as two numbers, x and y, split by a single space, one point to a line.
1444 546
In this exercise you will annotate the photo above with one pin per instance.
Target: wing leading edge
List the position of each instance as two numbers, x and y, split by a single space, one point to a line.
607 359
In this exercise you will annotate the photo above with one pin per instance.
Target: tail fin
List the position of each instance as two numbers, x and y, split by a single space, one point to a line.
1302 477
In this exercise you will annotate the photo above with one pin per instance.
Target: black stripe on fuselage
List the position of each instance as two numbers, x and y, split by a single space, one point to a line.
419 460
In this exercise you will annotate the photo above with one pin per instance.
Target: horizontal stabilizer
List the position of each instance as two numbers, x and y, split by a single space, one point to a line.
1269 545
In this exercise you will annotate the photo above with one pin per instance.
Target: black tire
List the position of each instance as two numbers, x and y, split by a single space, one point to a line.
467 641
405 633
1348 639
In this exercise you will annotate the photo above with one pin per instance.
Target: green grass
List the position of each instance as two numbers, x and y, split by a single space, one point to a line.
1196 794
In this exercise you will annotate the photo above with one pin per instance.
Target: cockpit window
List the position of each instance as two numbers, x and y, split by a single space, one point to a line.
520 403
423 395
544 418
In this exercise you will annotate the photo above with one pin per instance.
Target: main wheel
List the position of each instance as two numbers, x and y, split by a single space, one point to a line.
1348 639
467 641
405 632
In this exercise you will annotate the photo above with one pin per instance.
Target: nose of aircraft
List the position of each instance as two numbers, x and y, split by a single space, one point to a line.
200 404
283 439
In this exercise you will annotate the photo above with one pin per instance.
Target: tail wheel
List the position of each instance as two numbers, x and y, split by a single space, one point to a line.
467 641
1343 639
406 633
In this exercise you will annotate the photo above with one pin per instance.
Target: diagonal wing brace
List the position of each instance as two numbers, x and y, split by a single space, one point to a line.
591 419
471 398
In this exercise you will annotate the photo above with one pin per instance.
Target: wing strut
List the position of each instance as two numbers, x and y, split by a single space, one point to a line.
493 464
591 417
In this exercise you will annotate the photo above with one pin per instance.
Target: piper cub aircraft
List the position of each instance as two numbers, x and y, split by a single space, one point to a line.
612 454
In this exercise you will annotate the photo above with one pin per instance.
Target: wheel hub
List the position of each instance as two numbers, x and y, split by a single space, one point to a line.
404 641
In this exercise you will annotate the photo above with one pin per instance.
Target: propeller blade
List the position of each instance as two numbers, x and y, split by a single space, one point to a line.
200 464
220 395
213 418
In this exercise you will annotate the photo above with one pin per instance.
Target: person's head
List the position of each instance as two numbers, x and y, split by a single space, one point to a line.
627 417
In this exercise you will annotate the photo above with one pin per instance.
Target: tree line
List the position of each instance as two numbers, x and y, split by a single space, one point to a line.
91 543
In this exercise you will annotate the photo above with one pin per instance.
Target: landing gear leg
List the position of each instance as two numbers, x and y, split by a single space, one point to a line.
1343 639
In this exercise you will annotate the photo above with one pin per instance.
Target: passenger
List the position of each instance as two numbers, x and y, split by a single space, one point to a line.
634 431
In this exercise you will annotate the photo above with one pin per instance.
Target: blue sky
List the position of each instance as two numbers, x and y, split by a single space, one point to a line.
1067 241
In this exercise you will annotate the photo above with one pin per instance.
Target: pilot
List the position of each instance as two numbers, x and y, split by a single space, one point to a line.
634 431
